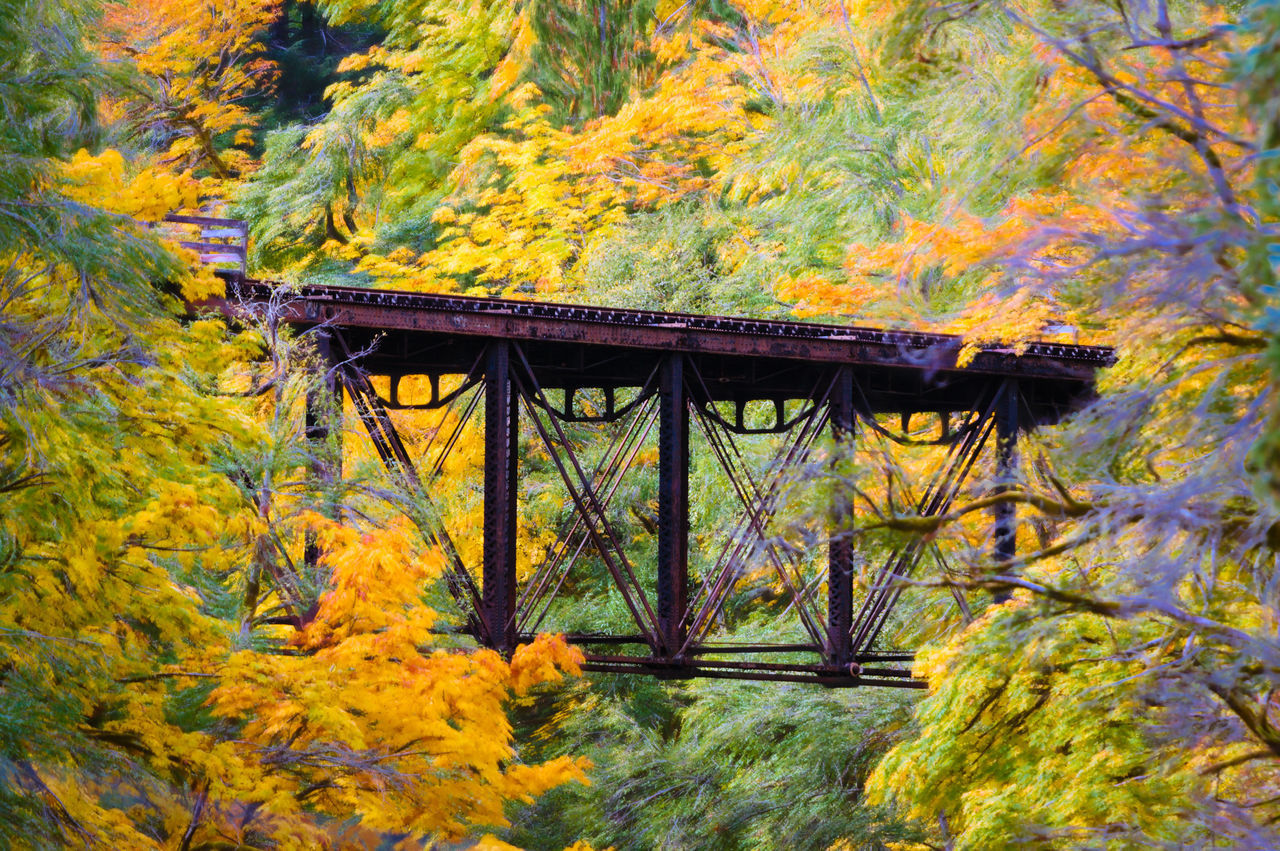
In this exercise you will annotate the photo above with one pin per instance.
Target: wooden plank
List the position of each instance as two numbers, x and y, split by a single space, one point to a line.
222 233
217 247
208 220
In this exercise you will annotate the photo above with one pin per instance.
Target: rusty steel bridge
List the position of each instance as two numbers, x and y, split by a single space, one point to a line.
722 379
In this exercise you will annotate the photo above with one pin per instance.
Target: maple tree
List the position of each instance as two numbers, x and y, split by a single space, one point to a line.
196 65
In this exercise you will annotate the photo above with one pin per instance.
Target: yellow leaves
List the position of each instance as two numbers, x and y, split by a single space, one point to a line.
358 61
534 227
671 51
203 283
376 584
175 513
528 781
389 130
79 801
106 181
921 244
85 168
403 254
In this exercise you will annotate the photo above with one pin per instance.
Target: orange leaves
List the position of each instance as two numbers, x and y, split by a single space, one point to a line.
508 70
543 661
203 58
960 242
406 738
1033 229
376 585
813 294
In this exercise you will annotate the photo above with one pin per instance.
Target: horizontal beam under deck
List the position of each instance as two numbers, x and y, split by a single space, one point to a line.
831 677
741 360
869 668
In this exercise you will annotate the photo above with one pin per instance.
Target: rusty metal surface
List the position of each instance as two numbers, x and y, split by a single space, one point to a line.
533 320
673 504
742 359
840 556
501 484
494 318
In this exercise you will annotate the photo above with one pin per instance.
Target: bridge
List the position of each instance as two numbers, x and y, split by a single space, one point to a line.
727 382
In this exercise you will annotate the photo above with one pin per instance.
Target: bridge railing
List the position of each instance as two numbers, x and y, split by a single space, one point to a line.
221 243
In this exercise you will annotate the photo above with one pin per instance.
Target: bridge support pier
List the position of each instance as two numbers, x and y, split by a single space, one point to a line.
840 549
673 504
501 452
1005 514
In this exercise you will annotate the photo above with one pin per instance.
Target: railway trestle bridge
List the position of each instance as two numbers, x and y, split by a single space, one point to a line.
678 375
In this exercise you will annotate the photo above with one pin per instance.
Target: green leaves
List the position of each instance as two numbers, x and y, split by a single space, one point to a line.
589 56
719 766
1044 743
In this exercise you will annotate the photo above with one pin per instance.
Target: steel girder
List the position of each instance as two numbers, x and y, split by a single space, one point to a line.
681 372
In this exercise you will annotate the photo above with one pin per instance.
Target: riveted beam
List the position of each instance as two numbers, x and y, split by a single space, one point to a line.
840 549
501 439
673 502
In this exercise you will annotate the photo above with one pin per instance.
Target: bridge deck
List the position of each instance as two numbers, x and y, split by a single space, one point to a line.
740 359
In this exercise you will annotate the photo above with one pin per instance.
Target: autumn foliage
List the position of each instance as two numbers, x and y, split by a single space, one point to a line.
209 639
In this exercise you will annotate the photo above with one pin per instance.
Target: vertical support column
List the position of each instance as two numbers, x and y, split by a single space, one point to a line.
1005 514
323 411
673 503
501 444
840 548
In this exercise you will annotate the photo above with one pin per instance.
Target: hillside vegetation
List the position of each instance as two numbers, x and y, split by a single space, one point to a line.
208 641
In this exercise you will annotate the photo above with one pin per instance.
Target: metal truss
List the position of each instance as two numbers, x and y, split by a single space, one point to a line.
675 619
686 384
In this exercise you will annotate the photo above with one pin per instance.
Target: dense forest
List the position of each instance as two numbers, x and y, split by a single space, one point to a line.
204 645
